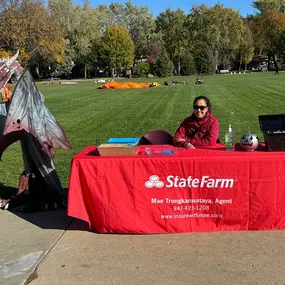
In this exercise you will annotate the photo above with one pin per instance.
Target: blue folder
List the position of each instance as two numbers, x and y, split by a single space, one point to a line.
123 140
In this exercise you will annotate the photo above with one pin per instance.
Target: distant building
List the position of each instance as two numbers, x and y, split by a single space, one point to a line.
258 63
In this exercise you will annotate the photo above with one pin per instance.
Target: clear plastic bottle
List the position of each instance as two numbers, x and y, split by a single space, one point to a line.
230 139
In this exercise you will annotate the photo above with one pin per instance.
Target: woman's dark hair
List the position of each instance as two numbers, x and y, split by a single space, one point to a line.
205 99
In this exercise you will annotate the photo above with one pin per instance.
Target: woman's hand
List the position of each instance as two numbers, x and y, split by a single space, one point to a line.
188 145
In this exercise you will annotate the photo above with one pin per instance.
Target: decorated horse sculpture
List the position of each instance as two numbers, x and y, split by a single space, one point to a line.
26 118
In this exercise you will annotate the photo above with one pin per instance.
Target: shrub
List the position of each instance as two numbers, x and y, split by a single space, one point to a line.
188 65
143 68
205 61
163 67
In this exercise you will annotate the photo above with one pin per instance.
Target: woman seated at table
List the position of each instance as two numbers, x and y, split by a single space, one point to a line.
200 129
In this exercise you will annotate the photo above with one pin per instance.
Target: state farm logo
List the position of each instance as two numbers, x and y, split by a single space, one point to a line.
172 181
154 182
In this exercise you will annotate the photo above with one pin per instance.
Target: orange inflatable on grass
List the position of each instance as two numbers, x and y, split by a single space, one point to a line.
126 85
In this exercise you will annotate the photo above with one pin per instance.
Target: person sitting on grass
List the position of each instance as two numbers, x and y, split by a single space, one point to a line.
200 129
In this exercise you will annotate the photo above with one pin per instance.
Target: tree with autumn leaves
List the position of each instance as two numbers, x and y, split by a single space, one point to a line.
116 51
55 35
268 29
27 26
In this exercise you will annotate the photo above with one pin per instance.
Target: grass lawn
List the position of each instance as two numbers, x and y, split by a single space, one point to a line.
88 114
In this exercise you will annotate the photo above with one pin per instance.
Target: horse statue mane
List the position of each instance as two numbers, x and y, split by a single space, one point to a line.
8 67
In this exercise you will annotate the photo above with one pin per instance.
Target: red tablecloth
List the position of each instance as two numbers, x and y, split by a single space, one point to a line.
191 191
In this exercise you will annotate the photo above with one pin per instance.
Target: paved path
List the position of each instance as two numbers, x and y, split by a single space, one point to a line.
25 240
76 256
82 257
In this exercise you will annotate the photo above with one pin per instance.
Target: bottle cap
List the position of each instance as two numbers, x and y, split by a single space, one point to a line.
230 128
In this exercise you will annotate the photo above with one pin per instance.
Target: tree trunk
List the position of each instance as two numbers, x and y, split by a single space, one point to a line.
245 67
268 64
85 71
216 58
240 63
179 67
275 64
113 72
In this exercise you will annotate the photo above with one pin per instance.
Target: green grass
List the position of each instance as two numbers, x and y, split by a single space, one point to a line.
88 114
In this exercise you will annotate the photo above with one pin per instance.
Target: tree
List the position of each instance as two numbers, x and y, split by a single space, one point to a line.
263 5
143 68
116 15
117 48
37 37
64 13
218 28
172 26
281 44
163 67
247 57
86 34
204 60
259 40
83 26
4 53
246 47
141 26
268 27
188 66
137 20
155 48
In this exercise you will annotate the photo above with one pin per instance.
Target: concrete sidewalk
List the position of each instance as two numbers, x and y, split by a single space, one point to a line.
25 240
77 256
82 257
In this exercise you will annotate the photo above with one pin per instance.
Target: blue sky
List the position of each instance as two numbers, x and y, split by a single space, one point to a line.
157 6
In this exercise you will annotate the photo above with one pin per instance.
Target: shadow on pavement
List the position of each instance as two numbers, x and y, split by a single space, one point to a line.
51 219
57 220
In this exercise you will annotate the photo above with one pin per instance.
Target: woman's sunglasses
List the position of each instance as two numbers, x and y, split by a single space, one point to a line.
202 108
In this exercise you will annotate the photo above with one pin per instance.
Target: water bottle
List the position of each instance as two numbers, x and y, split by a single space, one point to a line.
230 139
